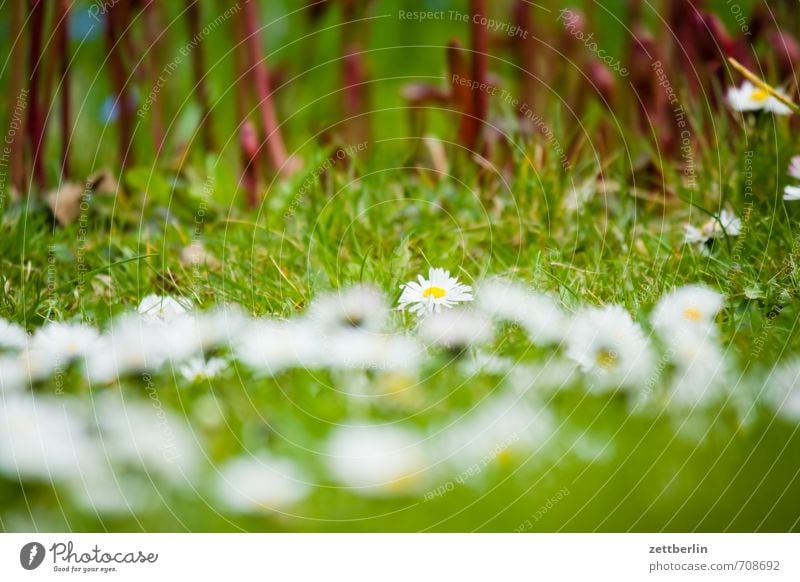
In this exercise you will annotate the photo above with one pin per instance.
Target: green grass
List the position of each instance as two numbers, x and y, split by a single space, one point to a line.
383 224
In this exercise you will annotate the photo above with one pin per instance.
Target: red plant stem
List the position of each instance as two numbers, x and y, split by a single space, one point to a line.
115 23
248 138
461 94
152 28
63 54
524 47
198 73
269 119
480 66
35 120
17 58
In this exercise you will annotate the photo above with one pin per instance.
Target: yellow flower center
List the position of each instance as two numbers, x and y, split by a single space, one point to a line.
606 359
692 314
759 95
435 292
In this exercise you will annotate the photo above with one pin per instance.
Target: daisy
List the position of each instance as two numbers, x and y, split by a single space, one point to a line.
272 347
700 369
748 97
783 390
198 368
217 328
691 307
261 483
704 236
493 432
457 329
361 307
131 345
791 193
65 342
537 313
12 337
607 344
144 436
376 460
359 350
12 374
163 309
40 438
424 297
794 167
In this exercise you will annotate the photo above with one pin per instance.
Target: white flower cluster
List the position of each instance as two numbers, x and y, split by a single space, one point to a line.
102 448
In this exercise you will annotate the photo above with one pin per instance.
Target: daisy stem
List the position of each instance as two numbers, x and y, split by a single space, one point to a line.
753 78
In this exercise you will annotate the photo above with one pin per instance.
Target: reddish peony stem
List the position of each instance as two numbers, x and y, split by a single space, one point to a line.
116 19
35 119
64 103
194 19
480 67
274 140
17 63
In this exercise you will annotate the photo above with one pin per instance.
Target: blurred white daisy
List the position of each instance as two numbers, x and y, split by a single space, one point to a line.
791 193
198 368
426 296
12 336
366 351
361 307
692 307
40 438
701 369
783 390
457 329
376 460
262 483
610 346
65 342
130 345
704 236
145 436
537 313
492 433
748 97
218 328
163 309
794 167
271 347
12 374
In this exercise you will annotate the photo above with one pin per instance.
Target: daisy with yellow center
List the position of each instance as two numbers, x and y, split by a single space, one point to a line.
427 296
748 97
689 308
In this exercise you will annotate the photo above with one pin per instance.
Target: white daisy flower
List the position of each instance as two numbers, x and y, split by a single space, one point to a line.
365 351
130 346
376 460
361 307
692 307
145 436
701 369
493 432
424 297
610 346
13 376
783 390
272 347
219 327
198 368
260 484
484 363
537 313
748 97
794 167
791 193
65 342
163 309
40 438
704 236
12 336
457 329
